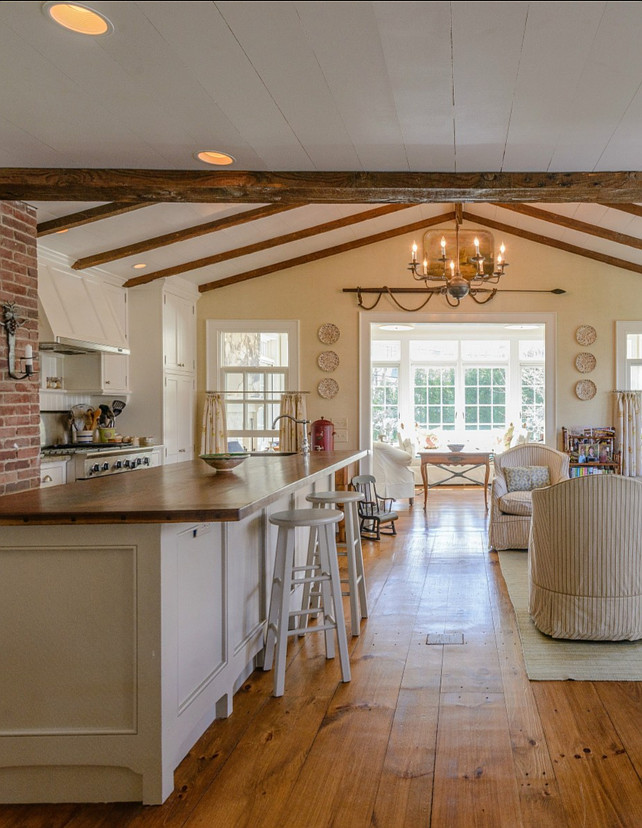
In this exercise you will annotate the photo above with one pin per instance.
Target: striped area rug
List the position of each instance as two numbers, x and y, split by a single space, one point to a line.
550 659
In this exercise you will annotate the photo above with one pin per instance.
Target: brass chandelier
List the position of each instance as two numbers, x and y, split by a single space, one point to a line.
480 269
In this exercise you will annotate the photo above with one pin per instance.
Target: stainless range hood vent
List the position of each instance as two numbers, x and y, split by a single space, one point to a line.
76 313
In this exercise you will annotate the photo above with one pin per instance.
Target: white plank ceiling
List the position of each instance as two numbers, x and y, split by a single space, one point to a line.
398 86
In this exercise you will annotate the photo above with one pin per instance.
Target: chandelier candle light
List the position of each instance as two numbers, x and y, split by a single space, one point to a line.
456 286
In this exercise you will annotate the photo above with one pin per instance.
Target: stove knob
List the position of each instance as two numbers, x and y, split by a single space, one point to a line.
118 464
105 467
139 462
145 461
95 468
127 464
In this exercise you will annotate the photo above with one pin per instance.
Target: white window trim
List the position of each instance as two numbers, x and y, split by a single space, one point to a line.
213 327
367 319
622 329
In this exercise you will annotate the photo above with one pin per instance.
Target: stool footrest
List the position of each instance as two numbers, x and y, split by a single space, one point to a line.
320 628
315 580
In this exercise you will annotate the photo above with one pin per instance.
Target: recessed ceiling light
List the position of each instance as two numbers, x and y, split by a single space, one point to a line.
78 17
221 159
396 327
139 266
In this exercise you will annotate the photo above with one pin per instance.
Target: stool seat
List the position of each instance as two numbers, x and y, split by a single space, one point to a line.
306 517
322 573
335 497
356 579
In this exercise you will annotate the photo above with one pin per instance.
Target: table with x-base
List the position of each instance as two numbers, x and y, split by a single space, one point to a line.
445 459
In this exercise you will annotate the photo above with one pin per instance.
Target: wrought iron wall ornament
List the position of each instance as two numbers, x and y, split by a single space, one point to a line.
11 324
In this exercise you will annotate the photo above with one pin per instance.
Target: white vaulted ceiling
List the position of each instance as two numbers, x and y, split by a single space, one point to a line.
322 86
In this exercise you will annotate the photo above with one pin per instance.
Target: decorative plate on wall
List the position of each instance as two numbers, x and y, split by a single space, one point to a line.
585 335
329 333
328 361
585 363
586 389
328 388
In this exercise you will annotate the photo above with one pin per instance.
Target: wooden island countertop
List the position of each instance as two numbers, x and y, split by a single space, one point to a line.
177 493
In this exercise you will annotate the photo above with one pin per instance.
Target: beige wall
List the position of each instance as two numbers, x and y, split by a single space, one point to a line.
597 295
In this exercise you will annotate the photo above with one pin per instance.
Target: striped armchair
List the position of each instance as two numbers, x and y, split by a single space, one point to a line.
585 559
510 511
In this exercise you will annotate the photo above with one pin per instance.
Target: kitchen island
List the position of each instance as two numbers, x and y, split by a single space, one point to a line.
131 610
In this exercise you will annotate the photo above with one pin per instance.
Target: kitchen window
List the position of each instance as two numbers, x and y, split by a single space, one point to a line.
628 340
252 363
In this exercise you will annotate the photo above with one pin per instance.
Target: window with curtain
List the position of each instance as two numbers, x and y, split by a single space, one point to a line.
252 363
629 355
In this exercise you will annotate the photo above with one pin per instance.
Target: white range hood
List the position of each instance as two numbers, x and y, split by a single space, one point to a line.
77 312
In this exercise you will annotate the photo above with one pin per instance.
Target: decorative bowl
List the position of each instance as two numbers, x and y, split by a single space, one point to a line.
224 462
455 446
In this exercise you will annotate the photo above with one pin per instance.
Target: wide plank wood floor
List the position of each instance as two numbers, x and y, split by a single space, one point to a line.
440 735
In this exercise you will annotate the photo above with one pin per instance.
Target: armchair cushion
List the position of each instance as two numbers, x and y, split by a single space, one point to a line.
526 478
516 503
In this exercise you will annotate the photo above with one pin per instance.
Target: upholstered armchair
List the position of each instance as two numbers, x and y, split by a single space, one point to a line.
585 559
390 466
518 471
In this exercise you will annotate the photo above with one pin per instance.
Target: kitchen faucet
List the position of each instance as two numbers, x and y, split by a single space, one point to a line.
305 446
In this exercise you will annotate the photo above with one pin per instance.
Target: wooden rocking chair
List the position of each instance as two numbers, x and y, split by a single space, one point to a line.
373 510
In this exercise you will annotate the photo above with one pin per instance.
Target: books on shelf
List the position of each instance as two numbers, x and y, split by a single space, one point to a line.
582 471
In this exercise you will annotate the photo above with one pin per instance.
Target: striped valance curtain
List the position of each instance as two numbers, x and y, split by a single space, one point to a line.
628 420
214 428
291 434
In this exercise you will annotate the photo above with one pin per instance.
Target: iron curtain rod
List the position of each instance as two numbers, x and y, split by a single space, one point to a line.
262 394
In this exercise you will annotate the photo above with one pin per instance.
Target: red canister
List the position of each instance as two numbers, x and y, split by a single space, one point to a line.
322 435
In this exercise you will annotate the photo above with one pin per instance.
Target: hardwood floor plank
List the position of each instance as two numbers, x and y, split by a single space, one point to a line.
540 799
623 701
596 777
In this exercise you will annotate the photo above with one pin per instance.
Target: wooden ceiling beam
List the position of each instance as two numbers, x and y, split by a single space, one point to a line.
276 241
52 184
549 242
103 211
574 224
182 235
329 251
631 209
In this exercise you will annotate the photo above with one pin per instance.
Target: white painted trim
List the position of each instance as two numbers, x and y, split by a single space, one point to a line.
367 319
289 326
622 329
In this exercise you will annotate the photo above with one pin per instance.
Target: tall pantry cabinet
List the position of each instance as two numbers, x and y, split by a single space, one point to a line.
162 325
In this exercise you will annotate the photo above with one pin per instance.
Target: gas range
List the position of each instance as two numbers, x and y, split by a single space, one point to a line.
88 460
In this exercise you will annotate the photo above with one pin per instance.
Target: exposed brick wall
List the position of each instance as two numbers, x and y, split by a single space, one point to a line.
19 399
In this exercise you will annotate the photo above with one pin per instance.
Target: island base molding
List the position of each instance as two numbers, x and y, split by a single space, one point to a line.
123 644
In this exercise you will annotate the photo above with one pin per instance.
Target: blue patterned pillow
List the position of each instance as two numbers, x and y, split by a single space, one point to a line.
526 478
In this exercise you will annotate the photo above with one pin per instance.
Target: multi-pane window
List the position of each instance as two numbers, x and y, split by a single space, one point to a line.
252 366
478 379
485 398
434 397
385 401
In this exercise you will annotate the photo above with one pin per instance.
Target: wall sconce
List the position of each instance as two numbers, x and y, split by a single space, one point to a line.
11 324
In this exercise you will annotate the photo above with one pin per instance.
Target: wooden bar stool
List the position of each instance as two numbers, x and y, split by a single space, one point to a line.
356 579
324 572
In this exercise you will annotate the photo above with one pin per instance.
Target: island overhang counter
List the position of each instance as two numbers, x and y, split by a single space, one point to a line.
131 610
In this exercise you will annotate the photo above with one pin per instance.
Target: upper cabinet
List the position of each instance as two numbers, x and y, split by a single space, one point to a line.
179 328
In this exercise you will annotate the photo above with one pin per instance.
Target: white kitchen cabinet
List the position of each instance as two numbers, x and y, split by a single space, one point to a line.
98 373
179 342
53 473
162 331
178 420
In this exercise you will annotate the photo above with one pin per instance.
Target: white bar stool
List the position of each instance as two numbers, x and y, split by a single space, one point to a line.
356 579
324 572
